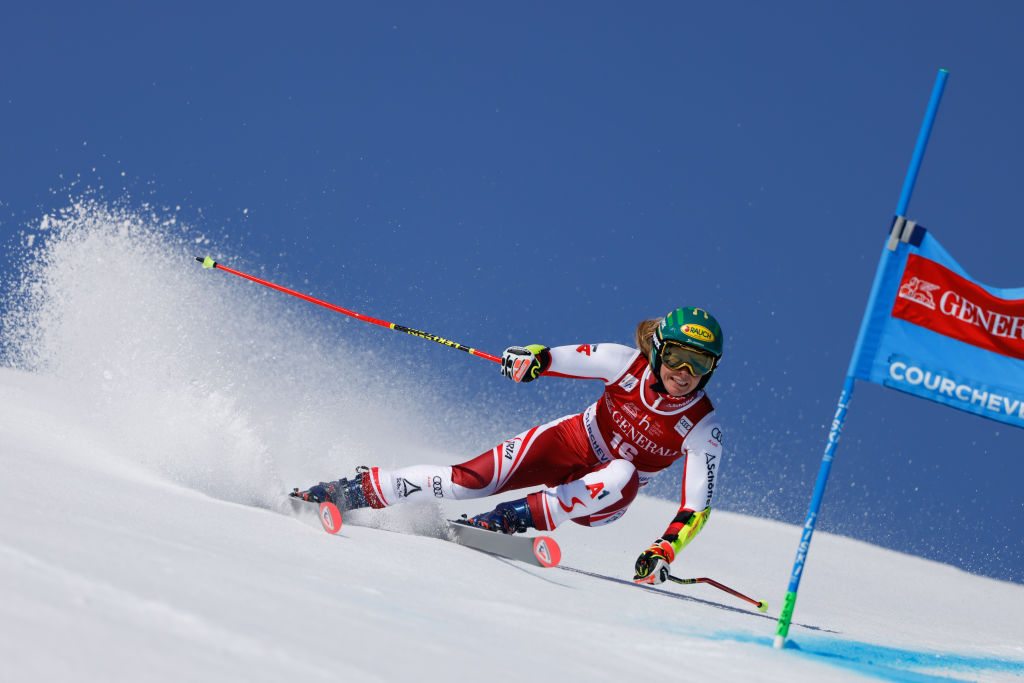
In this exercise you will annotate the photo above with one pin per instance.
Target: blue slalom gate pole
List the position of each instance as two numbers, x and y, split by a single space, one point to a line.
788 604
922 142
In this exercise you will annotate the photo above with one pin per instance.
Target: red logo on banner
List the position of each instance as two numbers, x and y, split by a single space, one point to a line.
938 299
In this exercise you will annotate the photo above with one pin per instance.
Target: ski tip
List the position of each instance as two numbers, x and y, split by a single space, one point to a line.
547 551
330 517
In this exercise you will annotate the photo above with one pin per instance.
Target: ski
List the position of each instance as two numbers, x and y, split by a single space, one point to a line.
541 551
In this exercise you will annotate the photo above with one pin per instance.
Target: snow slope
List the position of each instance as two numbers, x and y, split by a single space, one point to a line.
113 571
153 415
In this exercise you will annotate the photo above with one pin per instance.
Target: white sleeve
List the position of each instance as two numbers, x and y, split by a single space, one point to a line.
594 361
703 446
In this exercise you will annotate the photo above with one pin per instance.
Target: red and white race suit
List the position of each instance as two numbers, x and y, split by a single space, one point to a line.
590 464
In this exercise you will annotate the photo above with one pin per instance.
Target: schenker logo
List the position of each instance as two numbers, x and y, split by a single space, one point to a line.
709 461
936 298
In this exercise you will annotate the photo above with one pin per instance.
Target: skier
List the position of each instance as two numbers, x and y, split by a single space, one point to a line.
653 412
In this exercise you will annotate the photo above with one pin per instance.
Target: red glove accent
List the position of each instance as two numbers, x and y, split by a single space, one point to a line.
663 548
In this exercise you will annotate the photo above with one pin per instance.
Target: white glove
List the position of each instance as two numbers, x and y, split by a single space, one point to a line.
525 363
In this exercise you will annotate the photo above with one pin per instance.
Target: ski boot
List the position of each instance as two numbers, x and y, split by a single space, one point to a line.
507 518
347 494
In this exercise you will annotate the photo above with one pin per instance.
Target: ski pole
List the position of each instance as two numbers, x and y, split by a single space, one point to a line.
761 605
210 263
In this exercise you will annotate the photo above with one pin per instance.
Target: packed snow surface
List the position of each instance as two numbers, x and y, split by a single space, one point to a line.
114 571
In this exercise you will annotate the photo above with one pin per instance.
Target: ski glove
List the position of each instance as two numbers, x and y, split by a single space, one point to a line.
652 565
525 363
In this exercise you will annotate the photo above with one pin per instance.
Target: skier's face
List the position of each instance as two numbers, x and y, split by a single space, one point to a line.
678 382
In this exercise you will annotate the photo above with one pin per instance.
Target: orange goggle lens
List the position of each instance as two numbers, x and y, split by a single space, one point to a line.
677 357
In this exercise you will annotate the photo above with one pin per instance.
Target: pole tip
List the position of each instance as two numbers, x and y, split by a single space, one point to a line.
207 262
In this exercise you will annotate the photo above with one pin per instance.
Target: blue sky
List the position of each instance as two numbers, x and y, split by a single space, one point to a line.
553 173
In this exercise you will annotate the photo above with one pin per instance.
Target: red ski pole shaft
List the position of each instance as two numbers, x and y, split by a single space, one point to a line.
760 604
210 263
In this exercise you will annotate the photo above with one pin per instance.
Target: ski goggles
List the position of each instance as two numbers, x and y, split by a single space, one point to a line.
677 357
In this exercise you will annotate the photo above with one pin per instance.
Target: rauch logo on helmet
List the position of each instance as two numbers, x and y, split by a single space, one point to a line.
698 332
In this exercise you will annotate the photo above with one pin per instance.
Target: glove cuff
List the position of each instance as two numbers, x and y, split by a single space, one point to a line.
543 355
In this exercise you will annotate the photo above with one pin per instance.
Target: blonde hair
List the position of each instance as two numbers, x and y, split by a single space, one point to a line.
645 333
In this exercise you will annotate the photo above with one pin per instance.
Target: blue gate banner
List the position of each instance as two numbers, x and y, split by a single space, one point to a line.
933 331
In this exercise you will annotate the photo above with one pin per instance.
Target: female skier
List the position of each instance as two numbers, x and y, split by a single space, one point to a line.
653 411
